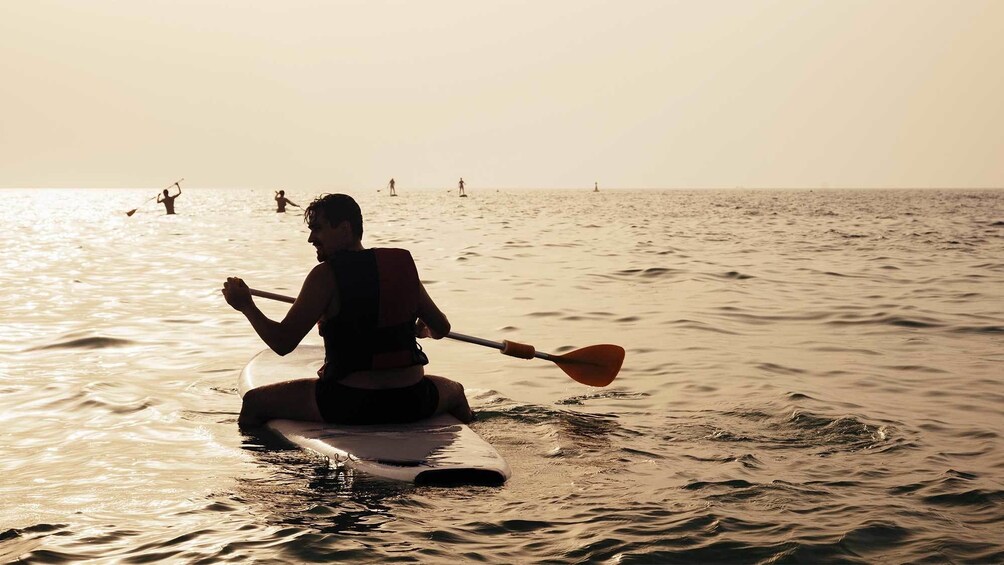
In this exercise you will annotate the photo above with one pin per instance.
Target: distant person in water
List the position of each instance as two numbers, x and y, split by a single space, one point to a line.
391 185
281 201
169 200
461 186
371 307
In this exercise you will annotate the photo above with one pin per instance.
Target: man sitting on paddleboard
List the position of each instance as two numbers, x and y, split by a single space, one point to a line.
370 307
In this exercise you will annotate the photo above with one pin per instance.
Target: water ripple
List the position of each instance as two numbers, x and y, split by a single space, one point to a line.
96 342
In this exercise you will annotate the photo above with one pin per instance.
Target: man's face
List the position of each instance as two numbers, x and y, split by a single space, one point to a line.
327 239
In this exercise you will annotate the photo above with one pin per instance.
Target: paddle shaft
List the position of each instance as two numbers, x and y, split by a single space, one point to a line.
506 347
503 347
272 296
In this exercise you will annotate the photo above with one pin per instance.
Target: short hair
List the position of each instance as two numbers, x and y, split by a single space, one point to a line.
336 208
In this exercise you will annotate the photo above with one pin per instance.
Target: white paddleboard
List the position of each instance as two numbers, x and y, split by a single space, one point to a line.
438 450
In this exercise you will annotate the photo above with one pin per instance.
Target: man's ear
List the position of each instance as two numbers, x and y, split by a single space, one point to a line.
345 229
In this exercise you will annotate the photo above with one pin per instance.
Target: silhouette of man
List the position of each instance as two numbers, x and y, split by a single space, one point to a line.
169 200
281 201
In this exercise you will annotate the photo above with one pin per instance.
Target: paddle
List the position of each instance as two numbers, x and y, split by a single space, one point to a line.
133 211
596 365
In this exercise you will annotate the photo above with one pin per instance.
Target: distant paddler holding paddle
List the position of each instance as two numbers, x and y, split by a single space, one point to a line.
370 307
168 200
281 201
170 208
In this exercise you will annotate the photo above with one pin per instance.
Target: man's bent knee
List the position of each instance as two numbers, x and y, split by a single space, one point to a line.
454 400
252 410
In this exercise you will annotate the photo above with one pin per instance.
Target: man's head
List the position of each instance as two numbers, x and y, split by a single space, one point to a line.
336 208
165 192
282 193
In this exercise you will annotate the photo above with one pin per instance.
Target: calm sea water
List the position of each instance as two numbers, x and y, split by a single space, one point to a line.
811 376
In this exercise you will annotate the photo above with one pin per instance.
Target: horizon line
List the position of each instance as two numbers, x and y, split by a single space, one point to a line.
498 188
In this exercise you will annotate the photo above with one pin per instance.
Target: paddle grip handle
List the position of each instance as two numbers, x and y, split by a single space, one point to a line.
520 350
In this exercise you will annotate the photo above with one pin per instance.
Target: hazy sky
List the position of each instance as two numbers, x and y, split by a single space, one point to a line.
541 93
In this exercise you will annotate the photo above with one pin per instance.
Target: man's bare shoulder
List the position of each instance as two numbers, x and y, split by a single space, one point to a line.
320 274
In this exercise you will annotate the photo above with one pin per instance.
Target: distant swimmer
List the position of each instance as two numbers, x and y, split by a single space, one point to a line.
461 186
281 201
391 186
169 200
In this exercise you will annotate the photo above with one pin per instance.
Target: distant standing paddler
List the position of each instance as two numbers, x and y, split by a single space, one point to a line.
460 185
391 185
596 187
281 201
169 200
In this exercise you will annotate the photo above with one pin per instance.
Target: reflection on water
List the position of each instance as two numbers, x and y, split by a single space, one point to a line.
810 376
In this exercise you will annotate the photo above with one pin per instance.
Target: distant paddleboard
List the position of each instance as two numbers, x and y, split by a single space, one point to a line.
439 450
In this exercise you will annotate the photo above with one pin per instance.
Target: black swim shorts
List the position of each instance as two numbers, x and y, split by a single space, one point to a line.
340 404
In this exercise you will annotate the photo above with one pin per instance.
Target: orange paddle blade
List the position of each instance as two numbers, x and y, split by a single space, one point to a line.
596 365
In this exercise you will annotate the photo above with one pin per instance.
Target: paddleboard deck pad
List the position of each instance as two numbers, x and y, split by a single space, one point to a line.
439 451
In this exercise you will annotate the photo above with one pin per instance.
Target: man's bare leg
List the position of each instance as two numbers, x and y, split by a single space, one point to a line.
292 400
452 399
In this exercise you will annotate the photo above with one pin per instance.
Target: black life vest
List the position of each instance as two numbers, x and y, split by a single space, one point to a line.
378 304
